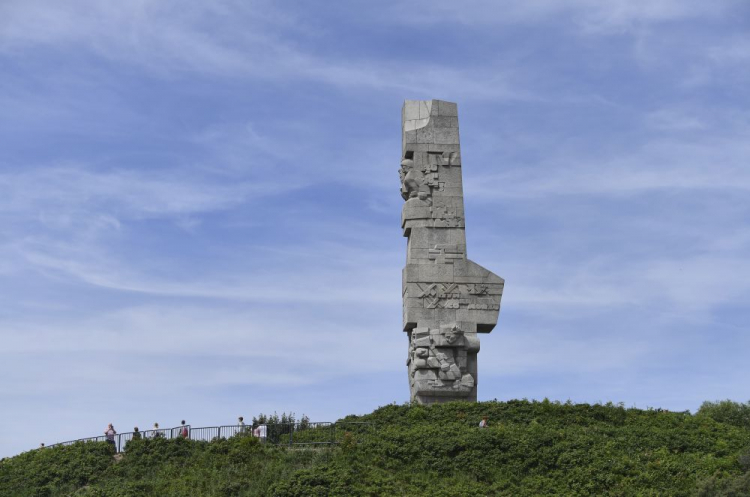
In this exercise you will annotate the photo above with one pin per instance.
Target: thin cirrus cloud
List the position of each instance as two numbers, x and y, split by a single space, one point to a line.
134 194
328 283
710 161
589 16
147 34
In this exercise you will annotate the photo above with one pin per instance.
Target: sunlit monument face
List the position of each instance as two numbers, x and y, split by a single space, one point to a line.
448 299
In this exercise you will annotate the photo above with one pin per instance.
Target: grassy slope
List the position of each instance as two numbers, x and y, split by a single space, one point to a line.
531 448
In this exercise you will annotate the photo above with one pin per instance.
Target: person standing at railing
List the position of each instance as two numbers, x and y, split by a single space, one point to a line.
241 424
136 434
157 432
261 432
110 434
184 432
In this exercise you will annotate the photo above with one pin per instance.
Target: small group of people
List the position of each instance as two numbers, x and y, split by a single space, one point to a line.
110 432
260 431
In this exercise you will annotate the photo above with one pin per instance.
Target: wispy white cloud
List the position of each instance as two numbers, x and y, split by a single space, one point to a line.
686 288
714 162
733 50
128 192
325 283
589 15
674 120
540 351
227 39
188 329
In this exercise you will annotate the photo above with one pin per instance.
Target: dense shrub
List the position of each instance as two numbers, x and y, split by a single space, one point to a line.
726 411
54 471
530 448
738 486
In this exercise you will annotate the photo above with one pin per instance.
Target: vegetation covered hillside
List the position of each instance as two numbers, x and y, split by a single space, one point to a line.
530 448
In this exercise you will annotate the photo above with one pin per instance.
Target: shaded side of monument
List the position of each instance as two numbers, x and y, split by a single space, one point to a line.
448 299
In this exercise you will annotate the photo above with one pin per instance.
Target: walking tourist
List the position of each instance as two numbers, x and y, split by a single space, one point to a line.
110 434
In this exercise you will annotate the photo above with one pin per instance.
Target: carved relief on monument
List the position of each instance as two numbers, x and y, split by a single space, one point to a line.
414 181
445 254
456 296
447 216
420 173
446 159
438 360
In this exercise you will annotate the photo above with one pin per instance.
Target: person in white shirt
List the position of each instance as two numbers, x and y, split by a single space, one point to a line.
483 423
261 432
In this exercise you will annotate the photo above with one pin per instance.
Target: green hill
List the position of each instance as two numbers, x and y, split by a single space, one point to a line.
530 448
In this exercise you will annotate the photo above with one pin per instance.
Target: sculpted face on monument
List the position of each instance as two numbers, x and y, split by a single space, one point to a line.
448 299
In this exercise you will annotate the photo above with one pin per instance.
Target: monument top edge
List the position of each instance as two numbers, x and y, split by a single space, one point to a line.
430 100
420 111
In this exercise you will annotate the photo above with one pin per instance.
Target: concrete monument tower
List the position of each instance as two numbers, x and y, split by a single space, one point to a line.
448 299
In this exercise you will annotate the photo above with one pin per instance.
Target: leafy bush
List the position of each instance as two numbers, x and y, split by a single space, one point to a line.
725 487
726 411
52 471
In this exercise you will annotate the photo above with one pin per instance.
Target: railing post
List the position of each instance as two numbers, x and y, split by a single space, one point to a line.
219 435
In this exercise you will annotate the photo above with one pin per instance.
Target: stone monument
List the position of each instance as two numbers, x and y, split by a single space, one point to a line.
448 299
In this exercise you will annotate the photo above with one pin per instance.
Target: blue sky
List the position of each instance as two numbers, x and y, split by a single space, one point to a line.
200 203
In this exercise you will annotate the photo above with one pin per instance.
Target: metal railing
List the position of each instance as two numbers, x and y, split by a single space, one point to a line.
289 434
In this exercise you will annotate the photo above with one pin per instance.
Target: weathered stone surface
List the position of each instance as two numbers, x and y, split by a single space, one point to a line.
448 299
